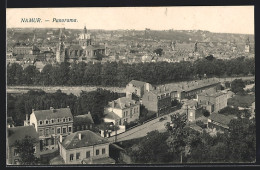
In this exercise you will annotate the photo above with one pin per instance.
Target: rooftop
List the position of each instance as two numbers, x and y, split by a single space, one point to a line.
220 118
137 83
52 113
86 118
88 138
122 103
19 132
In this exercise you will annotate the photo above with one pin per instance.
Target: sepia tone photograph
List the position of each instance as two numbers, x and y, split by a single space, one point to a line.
168 85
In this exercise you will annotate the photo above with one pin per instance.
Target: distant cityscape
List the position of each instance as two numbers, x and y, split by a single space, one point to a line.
129 97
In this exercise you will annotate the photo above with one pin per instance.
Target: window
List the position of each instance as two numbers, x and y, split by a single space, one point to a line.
64 119
41 132
191 114
52 120
69 129
71 157
69 119
47 132
47 122
88 154
58 130
103 151
15 152
40 122
52 131
63 130
97 152
77 155
34 149
58 120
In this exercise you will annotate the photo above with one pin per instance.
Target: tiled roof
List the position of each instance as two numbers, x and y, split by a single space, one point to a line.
137 83
86 118
216 94
220 118
123 102
88 138
111 115
55 113
19 132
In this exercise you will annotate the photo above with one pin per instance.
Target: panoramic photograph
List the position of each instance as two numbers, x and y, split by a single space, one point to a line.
130 86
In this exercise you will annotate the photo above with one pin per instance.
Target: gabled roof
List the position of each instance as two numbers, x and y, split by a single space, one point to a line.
220 118
137 83
83 119
88 138
123 102
19 132
111 115
55 113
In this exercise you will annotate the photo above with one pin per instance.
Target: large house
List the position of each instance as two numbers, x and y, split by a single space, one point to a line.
219 122
50 124
190 108
157 101
85 147
83 122
18 133
138 88
122 110
213 101
191 89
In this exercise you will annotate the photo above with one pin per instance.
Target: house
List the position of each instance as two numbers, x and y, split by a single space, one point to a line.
50 124
138 88
219 122
157 101
121 111
213 101
83 122
19 133
85 147
192 88
190 108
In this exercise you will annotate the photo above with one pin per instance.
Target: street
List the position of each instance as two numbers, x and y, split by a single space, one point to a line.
142 130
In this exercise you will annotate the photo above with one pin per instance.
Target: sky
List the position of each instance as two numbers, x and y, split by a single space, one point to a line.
222 19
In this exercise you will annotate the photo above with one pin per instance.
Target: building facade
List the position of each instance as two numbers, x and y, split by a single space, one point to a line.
50 124
190 108
138 88
84 147
83 122
19 133
157 101
122 110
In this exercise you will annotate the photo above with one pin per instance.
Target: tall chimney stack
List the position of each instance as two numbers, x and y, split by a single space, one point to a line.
60 138
79 136
113 104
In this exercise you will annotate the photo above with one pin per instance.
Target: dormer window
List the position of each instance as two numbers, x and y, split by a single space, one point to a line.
52 120
69 119
40 122
64 119
46 122
58 119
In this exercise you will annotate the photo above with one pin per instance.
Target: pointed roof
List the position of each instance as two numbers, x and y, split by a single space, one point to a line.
88 138
86 118
137 83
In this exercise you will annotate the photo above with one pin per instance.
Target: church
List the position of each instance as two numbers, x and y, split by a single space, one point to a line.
84 50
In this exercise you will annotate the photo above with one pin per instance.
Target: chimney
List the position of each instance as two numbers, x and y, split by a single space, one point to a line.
60 138
68 106
113 103
51 108
164 88
32 110
79 136
26 117
88 112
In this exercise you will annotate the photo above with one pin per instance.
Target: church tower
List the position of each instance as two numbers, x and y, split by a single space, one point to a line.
84 38
247 46
60 53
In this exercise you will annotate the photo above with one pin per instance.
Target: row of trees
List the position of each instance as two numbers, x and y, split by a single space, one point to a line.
181 144
94 101
119 74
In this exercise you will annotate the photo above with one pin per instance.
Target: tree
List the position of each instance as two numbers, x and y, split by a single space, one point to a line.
237 86
25 149
178 134
158 51
205 113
